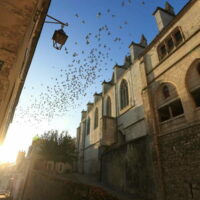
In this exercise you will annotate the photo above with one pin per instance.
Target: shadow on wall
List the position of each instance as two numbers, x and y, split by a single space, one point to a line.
180 152
129 169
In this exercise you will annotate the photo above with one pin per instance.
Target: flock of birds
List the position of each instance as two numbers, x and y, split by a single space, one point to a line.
88 67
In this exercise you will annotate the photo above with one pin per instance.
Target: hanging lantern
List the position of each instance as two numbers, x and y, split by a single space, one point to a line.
59 38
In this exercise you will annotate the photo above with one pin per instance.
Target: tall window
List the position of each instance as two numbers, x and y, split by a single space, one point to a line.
193 82
88 126
108 107
124 98
96 116
168 102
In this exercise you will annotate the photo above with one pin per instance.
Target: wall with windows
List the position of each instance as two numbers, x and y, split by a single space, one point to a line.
188 24
89 136
110 94
130 118
160 105
172 93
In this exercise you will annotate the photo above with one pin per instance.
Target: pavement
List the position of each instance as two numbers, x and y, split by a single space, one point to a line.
92 181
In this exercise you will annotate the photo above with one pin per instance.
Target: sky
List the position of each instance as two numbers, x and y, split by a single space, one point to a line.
61 83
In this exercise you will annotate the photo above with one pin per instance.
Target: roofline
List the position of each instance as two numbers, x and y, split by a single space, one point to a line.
164 30
25 74
137 44
159 8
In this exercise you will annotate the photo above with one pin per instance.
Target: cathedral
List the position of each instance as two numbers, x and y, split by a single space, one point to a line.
141 134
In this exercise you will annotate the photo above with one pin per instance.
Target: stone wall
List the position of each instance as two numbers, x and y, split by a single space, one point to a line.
180 159
128 168
91 160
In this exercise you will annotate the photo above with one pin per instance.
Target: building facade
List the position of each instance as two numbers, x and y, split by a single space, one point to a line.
141 134
21 22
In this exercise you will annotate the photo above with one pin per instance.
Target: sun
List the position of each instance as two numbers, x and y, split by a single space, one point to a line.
18 138
6 154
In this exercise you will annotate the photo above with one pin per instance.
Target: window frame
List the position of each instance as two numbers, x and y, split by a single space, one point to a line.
168 105
108 107
198 68
195 91
165 43
96 118
88 126
165 91
124 94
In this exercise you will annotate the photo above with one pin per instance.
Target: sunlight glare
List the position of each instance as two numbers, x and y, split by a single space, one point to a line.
18 138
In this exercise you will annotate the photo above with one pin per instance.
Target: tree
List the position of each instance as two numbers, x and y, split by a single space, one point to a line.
54 146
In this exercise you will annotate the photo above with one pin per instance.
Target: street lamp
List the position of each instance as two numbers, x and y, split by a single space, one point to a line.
59 37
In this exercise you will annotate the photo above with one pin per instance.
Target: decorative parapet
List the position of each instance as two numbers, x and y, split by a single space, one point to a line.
97 97
89 106
83 114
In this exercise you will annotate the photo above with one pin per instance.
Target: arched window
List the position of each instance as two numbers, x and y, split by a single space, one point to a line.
96 118
170 106
108 107
124 98
165 91
88 126
193 82
198 68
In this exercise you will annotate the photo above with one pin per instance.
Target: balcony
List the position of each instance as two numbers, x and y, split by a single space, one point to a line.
108 130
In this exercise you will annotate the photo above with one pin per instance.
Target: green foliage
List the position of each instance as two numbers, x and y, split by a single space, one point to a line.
56 147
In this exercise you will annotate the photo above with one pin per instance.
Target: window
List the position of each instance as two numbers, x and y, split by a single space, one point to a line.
178 37
164 113
124 98
168 102
88 126
165 91
198 68
171 110
196 96
163 51
108 107
176 108
168 45
193 82
1 64
96 118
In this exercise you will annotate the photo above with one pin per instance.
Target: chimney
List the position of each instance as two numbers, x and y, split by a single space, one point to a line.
89 106
118 71
83 114
164 16
143 41
97 96
106 86
137 48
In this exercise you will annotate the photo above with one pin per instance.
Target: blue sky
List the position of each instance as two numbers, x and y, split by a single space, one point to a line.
52 81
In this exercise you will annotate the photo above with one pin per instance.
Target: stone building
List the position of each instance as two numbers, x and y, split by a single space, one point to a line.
21 22
141 134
